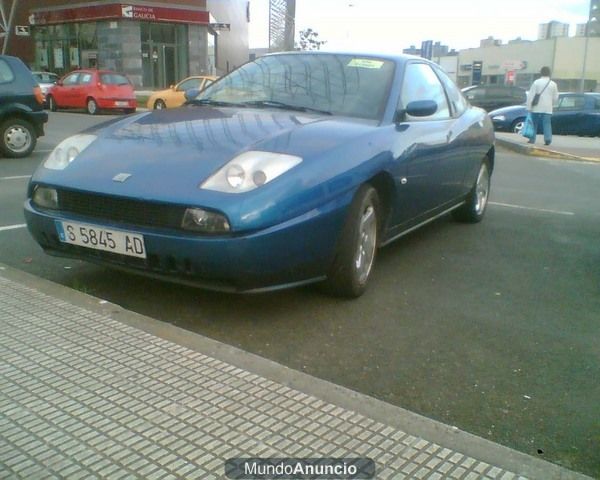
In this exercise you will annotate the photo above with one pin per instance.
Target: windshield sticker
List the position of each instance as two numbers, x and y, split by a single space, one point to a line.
365 63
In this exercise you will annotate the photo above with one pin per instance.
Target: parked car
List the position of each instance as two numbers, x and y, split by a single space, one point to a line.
174 96
93 90
575 114
22 116
491 97
292 169
45 80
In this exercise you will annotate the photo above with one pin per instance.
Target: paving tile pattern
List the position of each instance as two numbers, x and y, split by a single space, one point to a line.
84 396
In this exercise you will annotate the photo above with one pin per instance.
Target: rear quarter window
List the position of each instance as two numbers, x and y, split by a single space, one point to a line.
6 73
113 79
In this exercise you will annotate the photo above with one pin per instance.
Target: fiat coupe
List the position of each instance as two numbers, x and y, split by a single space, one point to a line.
292 169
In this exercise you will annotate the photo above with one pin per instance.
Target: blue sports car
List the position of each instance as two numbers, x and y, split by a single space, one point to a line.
292 169
575 114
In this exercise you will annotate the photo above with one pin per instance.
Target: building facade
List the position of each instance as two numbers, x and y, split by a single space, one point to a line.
570 59
552 30
154 43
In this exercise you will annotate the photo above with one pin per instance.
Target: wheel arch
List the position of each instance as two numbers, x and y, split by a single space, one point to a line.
491 157
383 183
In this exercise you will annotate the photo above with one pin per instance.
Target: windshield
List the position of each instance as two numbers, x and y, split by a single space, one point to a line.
337 84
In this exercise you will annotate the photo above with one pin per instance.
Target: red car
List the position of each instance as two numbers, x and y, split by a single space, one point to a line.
93 90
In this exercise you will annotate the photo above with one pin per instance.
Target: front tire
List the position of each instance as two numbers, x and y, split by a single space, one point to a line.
52 104
91 106
159 105
349 274
517 125
474 208
17 138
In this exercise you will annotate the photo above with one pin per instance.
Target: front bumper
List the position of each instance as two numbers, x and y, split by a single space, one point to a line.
38 119
297 251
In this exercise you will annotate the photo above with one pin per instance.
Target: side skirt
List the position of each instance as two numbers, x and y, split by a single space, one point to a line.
419 225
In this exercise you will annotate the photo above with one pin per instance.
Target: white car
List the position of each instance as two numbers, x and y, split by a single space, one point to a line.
45 81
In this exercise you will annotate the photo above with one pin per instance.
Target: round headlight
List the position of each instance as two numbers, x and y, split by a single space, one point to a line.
235 176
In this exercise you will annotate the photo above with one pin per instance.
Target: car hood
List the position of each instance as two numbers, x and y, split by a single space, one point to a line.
169 153
514 109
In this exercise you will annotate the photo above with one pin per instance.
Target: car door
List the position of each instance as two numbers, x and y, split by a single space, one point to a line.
568 117
178 98
83 89
431 171
64 93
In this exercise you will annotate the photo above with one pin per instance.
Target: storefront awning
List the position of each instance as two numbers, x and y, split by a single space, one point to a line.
118 11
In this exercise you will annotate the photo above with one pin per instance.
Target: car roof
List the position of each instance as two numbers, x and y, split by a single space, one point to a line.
397 58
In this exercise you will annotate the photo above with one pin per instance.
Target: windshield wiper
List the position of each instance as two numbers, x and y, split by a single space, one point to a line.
216 103
285 106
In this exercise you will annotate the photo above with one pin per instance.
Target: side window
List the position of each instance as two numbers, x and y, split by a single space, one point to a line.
571 103
457 101
475 93
421 83
191 83
597 104
6 73
85 78
71 79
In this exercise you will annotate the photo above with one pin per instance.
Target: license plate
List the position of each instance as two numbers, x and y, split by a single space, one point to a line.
122 104
99 238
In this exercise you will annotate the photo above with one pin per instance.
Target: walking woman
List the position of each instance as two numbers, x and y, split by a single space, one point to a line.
541 98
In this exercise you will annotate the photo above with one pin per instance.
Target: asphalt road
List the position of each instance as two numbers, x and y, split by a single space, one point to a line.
490 327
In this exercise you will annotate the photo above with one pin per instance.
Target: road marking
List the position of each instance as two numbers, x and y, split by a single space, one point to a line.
12 227
508 205
16 177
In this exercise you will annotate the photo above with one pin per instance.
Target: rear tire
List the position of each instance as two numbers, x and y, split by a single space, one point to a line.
91 106
17 138
349 274
474 209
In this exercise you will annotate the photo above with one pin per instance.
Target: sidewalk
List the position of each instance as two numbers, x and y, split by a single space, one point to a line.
567 147
90 390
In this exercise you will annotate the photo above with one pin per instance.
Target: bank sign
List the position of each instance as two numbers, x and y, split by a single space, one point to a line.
115 11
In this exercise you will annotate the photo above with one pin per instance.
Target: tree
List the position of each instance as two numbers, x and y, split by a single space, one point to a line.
309 40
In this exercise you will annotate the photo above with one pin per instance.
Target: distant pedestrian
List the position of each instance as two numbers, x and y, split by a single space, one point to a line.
541 98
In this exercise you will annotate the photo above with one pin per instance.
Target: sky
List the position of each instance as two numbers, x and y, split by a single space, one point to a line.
392 25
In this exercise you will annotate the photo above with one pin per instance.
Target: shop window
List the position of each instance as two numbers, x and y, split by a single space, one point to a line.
62 48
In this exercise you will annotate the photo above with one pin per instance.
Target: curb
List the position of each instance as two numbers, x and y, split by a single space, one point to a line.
542 152
445 435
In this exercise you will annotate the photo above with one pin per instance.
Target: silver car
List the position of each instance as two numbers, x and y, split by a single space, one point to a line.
45 81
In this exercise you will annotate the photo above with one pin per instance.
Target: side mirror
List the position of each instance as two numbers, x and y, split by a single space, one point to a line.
191 94
172 87
59 83
419 108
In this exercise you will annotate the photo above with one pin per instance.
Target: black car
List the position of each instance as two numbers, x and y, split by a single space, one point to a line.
575 114
22 115
491 97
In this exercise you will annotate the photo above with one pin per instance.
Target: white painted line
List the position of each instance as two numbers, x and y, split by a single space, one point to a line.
13 227
508 205
16 177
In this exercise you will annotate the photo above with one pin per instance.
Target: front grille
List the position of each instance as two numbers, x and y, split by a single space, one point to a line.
121 210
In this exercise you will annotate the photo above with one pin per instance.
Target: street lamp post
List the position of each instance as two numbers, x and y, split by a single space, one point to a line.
585 51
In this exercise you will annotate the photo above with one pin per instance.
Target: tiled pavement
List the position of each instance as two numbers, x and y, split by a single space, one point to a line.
83 395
